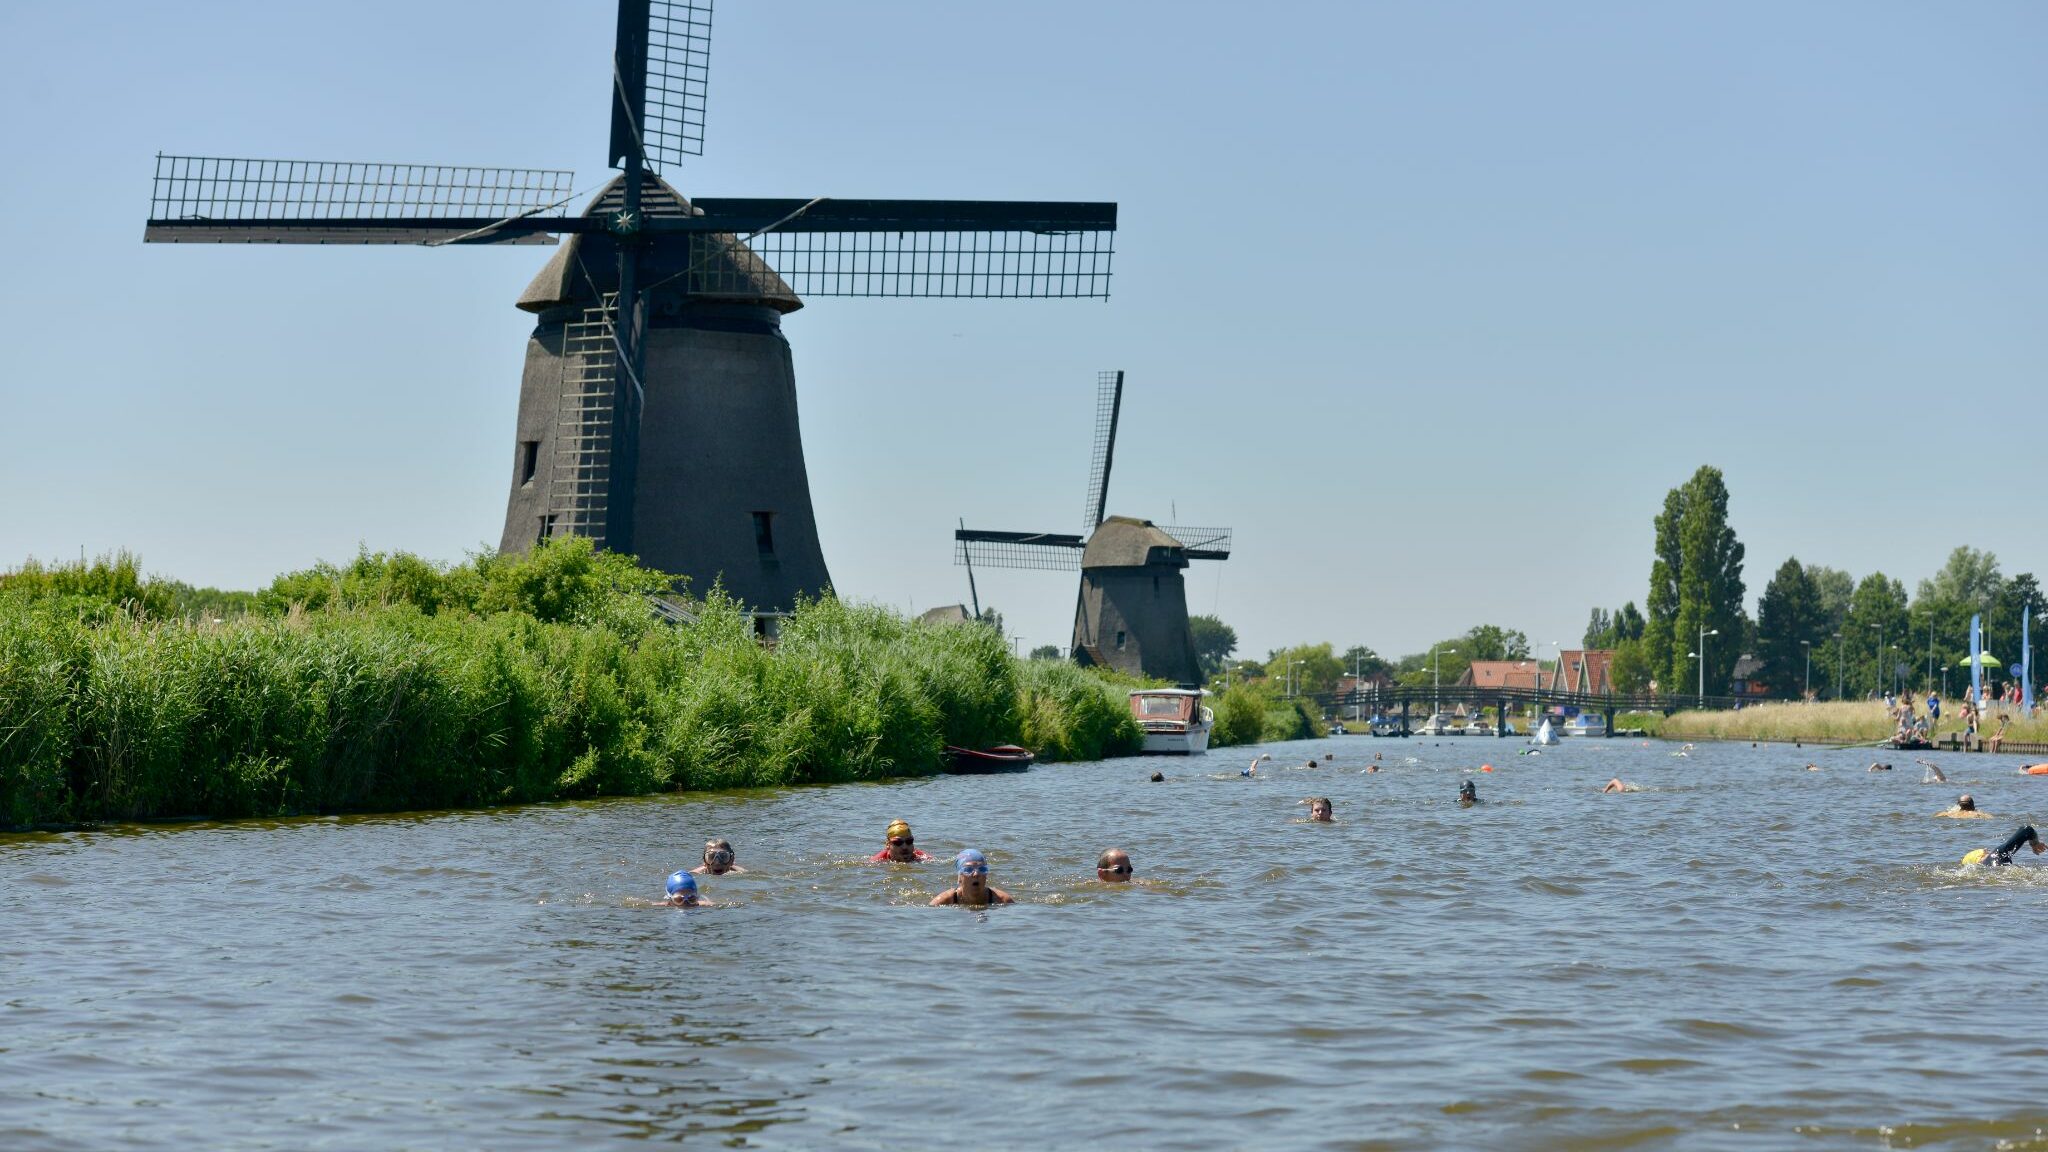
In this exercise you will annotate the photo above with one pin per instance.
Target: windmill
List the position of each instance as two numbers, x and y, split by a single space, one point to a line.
657 410
1132 612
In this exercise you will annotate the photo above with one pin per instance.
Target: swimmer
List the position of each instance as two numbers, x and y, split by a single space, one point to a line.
1329 755
682 891
1468 794
1965 809
973 889
1875 767
1372 767
1619 785
1319 810
2003 854
1113 867
902 847
718 859
1812 767
1158 777
1254 769
1933 776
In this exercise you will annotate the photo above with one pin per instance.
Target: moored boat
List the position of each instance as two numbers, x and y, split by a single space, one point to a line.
981 761
1174 720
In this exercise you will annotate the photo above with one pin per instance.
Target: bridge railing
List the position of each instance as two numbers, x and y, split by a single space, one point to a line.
1398 695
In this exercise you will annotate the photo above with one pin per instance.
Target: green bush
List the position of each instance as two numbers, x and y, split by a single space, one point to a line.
1241 715
391 683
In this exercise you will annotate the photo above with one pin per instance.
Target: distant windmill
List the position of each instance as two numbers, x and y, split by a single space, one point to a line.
667 428
1132 612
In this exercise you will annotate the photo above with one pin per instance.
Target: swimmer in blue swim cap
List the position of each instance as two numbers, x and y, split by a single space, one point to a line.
972 889
682 891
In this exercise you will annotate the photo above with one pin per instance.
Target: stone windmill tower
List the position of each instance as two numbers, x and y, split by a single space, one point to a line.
657 411
1132 610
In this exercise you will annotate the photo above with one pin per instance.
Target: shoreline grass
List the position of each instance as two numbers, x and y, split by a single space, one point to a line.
391 684
1825 722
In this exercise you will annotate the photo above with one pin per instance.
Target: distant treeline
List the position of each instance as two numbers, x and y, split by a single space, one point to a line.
392 683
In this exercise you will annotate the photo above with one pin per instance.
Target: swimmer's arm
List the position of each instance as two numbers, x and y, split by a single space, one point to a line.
998 896
949 896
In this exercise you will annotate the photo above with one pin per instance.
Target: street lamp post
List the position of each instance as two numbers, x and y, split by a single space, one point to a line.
1877 681
1838 665
1436 679
1808 645
1357 662
1704 633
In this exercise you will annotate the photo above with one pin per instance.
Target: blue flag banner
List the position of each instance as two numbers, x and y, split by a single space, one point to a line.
1977 661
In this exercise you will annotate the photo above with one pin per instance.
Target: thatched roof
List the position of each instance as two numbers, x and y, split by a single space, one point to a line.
1126 542
724 269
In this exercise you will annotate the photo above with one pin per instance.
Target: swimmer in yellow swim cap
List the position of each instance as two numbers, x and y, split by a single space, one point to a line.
2004 853
901 848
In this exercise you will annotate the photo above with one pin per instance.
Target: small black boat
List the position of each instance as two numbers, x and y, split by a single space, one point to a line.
982 761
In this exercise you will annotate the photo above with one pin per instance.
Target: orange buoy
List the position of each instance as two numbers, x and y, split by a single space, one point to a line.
1489 767
2036 769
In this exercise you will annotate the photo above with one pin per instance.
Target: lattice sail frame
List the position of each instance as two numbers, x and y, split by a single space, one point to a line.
678 80
1109 396
955 265
281 201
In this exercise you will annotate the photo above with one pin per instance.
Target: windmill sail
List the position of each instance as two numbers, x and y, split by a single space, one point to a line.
223 200
1109 400
1043 551
1201 543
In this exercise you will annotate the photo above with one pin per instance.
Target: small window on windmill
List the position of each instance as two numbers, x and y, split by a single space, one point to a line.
1119 640
529 460
764 533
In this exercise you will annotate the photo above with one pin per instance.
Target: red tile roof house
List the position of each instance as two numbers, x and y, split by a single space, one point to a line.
1501 674
1583 670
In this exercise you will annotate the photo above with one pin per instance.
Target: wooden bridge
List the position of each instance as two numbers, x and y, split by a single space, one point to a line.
1401 701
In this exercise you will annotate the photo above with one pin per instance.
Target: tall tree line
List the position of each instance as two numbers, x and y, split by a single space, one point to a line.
1695 588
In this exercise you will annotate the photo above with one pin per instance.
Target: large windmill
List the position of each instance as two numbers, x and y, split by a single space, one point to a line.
1132 612
657 413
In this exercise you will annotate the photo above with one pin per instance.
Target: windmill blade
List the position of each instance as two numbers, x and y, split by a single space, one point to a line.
1109 401
662 74
221 200
1201 543
1044 551
925 248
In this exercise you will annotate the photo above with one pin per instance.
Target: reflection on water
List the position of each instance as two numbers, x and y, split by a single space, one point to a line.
1742 955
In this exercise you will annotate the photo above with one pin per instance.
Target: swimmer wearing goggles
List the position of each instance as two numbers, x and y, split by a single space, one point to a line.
682 891
718 859
1113 867
972 890
901 847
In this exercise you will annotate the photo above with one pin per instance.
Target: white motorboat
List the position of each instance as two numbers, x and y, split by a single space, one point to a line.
1385 726
1586 724
1174 720
1545 734
1437 725
1477 726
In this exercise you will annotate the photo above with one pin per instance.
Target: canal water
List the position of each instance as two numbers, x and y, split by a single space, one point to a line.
1744 955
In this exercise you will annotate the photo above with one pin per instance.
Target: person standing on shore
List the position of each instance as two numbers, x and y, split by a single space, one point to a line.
972 890
1933 712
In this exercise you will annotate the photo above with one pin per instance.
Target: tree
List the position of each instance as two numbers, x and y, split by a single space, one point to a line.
1969 578
1834 587
1046 652
1214 642
1631 670
1599 628
1319 668
2014 597
1789 617
994 619
1695 585
1877 616
1492 642
1624 623
1363 661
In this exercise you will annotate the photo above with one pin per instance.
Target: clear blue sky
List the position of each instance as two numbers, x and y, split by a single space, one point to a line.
1431 302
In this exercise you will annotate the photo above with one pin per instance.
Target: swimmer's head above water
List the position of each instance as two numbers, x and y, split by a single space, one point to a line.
901 845
718 858
682 890
1320 810
1468 793
1113 866
1966 803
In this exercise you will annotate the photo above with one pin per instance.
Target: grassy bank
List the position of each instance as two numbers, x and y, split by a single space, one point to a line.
393 684
1843 722
1254 714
